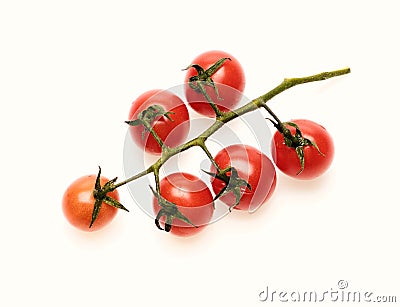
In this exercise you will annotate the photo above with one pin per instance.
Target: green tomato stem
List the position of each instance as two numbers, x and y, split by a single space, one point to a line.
155 135
218 112
208 153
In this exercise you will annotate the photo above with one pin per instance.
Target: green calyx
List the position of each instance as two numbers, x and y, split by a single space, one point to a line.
147 117
100 196
204 76
170 211
203 79
296 141
233 183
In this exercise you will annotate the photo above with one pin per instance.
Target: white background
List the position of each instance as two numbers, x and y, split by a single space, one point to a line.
69 71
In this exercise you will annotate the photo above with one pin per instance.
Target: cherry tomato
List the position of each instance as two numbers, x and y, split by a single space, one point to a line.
193 199
252 166
315 162
172 128
229 80
78 203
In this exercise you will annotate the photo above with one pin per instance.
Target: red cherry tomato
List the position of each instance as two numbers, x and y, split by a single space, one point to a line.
315 162
193 199
172 131
252 166
78 203
229 79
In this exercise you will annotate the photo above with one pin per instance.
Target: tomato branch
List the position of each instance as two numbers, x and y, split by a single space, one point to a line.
225 117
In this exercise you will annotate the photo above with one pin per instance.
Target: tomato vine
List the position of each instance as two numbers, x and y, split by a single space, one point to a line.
199 83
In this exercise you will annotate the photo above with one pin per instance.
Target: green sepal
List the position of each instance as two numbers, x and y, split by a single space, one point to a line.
309 142
100 196
153 111
298 142
300 155
170 211
96 210
233 183
97 185
215 88
213 68
114 203
203 77
220 175
110 184
136 122
298 132
168 223
198 82
157 219
199 69
147 117
98 201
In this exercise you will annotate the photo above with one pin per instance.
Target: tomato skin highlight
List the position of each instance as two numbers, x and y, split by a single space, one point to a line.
172 132
193 199
78 203
315 164
253 166
229 79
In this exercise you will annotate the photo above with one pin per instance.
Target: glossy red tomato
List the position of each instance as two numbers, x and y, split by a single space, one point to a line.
252 166
78 203
229 79
192 198
172 129
315 162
